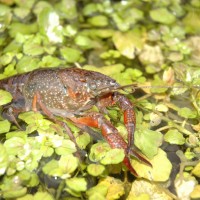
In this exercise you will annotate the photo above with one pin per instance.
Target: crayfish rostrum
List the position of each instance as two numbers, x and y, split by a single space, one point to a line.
71 93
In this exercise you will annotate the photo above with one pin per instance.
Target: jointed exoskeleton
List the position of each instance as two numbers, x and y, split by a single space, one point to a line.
70 93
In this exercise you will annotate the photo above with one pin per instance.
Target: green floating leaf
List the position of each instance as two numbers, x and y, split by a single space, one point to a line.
113 156
83 140
50 61
68 163
84 42
5 97
70 55
195 194
21 12
95 169
47 150
196 170
13 194
14 145
4 126
160 170
43 195
162 15
127 43
148 141
98 151
77 184
115 187
90 9
107 70
26 197
3 159
174 137
99 21
32 47
6 58
50 166
67 147
145 190
192 22
30 117
27 64
99 191
68 12
187 113
25 29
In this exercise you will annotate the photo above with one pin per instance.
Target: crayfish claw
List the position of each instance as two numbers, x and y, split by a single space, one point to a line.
129 166
139 157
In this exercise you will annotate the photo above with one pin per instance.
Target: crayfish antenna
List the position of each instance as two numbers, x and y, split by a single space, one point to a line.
139 157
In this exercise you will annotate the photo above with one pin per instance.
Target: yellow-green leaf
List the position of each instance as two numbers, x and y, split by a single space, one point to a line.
160 170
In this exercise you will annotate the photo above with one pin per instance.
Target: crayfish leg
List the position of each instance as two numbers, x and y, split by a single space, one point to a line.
129 115
129 166
37 101
139 157
109 132
8 113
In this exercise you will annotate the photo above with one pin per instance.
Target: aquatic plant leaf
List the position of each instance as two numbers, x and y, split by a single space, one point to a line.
115 187
43 195
196 170
12 194
148 141
3 159
160 170
4 126
162 15
127 43
77 184
144 190
5 97
26 197
174 137
83 140
195 194
27 64
98 151
71 55
99 190
67 147
107 70
50 166
68 163
14 145
99 21
33 47
187 113
95 169
113 156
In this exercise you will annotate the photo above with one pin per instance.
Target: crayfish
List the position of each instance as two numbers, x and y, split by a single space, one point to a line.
70 93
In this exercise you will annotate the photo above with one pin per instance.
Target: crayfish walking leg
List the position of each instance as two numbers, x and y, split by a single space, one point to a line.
37 101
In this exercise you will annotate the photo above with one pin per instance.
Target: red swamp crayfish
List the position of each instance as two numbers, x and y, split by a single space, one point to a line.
69 93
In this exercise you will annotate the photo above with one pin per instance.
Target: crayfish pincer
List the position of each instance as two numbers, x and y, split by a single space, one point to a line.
71 93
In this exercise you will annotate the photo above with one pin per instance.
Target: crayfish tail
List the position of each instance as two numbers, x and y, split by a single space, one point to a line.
139 157
129 166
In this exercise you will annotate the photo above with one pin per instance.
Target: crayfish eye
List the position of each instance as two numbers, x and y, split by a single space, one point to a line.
112 82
